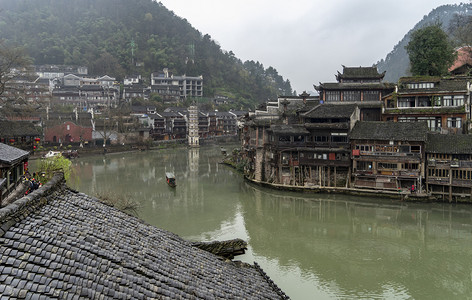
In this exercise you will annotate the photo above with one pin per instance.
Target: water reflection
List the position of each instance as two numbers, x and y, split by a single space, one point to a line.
365 249
194 206
311 245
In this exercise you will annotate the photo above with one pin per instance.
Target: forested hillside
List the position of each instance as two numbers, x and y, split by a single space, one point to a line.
397 62
119 37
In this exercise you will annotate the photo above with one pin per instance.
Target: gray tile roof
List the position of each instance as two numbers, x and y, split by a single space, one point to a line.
387 131
58 243
328 111
454 84
10 155
357 86
361 72
449 143
289 129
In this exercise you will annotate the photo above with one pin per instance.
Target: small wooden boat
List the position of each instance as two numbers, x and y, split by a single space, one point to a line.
170 178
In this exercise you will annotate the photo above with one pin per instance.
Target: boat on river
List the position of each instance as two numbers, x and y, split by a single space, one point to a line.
170 178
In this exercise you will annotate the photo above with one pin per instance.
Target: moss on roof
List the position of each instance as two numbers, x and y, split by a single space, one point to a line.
389 131
449 143
288 130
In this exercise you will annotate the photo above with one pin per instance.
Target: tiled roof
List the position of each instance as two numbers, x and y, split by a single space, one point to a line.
453 84
328 111
449 143
289 129
388 131
58 243
361 72
356 86
463 58
11 155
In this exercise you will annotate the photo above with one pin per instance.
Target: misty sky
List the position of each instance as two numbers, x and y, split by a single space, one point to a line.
307 41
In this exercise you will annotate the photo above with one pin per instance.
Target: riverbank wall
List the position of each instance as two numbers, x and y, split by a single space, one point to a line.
400 195
153 145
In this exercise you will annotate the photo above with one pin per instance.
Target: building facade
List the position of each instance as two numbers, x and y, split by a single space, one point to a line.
355 84
169 85
449 166
444 103
388 155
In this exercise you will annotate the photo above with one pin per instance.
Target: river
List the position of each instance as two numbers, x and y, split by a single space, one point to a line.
314 246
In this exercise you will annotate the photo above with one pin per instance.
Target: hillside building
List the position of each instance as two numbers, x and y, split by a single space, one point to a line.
444 103
179 87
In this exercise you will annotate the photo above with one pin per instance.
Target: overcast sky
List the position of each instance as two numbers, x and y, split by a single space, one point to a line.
307 41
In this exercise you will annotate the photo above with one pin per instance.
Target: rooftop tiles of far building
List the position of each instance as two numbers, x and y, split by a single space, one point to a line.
390 131
57 242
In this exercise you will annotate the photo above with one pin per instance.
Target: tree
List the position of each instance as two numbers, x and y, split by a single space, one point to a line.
49 166
430 51
12 64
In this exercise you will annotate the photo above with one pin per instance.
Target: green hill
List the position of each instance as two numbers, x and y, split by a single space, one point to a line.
118 37
397 62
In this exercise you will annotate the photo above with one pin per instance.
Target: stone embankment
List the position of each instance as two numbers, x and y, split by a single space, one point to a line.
399 195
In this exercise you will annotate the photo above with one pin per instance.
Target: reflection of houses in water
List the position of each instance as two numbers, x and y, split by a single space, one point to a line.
368 241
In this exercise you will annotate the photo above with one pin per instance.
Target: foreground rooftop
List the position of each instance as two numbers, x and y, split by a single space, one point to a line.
60 243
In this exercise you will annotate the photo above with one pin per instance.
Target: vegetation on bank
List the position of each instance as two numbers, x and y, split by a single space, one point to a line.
47 167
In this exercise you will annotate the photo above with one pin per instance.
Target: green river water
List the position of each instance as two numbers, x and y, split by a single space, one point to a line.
313 246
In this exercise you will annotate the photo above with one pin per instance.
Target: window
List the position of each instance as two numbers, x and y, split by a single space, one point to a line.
424 102
339 139
410 166
447 101
458 100
333 96
367 148
298 139
406 102
285 158
406 119
371 95
321 139
389 166
454 122
284 139
364 165
434 123
416 149
351 96
426 85
438 173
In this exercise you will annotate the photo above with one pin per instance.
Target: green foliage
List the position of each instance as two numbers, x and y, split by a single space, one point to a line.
430 51
50 165
112 36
